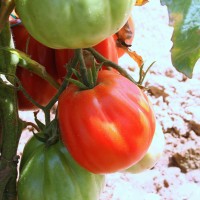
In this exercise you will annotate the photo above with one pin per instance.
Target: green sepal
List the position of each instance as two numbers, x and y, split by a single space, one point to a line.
40 125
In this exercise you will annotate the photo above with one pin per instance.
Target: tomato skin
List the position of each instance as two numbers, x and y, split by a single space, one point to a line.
73 24
40 90
51 173
107 128
62 57
106 48
152 155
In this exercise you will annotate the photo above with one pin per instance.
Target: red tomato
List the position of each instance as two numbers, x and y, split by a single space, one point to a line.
126 35
106 48
40 90
107 128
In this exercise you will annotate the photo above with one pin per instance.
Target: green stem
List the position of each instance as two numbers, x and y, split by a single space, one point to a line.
40 70
107 62
143 74
83 68
31 65
65 82
6 7
11 126
21 88
32 125
11 131
47 116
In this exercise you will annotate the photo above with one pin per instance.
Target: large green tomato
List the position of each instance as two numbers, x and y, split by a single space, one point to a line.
153 154
50 173
73 24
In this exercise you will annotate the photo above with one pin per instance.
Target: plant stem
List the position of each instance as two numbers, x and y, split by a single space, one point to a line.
6 7
27 63
11 124
83 68
65 82
11 131
46 110
20 87
32 125
107 62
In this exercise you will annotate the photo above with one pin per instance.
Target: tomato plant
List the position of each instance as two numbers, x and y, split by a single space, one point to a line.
51 173
90 21
106 48
107 128
40 90
153 154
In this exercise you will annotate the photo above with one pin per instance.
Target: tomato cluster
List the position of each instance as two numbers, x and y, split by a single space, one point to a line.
115 117
102 128
54 60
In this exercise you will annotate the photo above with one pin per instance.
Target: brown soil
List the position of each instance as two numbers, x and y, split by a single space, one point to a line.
176 101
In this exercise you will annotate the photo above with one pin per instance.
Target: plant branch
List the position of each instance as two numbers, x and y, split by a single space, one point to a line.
32 125
21 88
83 68
107 62
6 7
65 82
11 127
27 63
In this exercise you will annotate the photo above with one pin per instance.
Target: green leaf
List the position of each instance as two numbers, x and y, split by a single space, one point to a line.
184 16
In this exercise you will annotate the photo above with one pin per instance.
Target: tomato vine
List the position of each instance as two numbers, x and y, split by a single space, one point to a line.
86 74
11 125
50 128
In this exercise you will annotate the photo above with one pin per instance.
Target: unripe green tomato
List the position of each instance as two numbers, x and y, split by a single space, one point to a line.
50 173
73 24
153 154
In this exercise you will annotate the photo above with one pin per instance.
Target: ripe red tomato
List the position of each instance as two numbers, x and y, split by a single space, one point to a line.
40 90
125 35
107 128
106 48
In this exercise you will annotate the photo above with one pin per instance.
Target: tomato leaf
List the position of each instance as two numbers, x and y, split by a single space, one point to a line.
184 17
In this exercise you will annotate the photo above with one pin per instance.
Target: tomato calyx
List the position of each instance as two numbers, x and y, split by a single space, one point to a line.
87 75
108 63
48 134
87 71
